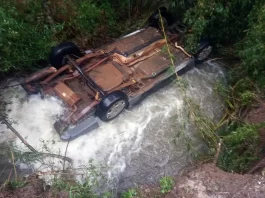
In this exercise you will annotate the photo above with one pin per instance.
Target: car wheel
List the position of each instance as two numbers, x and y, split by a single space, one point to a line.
112 105
60 51
204 52
154 19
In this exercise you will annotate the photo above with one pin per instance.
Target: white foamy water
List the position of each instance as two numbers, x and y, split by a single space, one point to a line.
140 146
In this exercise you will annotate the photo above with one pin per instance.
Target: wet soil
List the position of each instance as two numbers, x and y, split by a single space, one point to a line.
204 181
207 181
256 114
32 188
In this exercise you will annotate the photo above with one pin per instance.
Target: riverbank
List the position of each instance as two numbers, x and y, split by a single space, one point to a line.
203 181
207 181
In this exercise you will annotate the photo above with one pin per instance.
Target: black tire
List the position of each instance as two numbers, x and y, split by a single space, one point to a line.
60 51
107 104
204 51
154 19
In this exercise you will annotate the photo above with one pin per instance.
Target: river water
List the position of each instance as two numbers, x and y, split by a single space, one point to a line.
138 147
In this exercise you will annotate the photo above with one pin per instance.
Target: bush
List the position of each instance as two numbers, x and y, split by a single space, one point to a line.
240 149
219 19
28 29
21 42
237 23
252 48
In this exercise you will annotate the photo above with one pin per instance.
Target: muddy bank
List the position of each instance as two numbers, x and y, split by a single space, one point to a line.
207 181
33 188
256 114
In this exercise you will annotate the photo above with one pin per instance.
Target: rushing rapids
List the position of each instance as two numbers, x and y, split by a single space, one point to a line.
139 146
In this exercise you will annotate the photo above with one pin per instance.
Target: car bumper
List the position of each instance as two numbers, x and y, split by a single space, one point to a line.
79 129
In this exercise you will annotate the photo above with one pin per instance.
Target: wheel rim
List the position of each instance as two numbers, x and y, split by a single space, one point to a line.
116 109
205 52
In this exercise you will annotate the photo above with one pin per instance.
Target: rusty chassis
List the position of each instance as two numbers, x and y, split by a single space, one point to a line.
99 85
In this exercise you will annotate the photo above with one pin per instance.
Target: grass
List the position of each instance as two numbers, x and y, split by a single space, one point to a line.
166 184
241 148
17 184
130 193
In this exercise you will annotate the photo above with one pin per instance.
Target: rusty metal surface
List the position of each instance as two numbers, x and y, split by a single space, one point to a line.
153 65
140 55
66 94
40 74
136 73
131 44
77 116
49 78
107 76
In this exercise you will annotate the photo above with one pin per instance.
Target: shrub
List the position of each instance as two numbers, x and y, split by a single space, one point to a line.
237 23
21 42
219 19
252 48
240 148
28 29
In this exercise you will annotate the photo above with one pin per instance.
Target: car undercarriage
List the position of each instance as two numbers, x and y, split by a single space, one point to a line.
101 83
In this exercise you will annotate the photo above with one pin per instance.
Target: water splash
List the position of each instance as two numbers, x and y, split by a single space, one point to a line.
139 146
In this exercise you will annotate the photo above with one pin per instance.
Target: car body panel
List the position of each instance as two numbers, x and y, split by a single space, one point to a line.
107 76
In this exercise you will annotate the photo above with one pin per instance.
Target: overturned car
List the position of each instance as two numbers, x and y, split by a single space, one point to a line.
101 83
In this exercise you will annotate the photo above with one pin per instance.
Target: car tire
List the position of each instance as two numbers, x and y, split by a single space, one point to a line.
112 105
205 50
60 51
154 19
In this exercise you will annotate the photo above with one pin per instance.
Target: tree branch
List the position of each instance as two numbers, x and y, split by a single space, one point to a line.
30 147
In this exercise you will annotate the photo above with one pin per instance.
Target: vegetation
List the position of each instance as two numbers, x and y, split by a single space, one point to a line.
61 180
21 42
234 143
240 20
166 184
130 193
241 148
29 29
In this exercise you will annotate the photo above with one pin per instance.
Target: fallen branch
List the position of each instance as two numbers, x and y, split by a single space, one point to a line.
18 135
30 147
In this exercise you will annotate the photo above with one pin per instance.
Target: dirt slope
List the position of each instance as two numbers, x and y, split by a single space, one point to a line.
208 181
